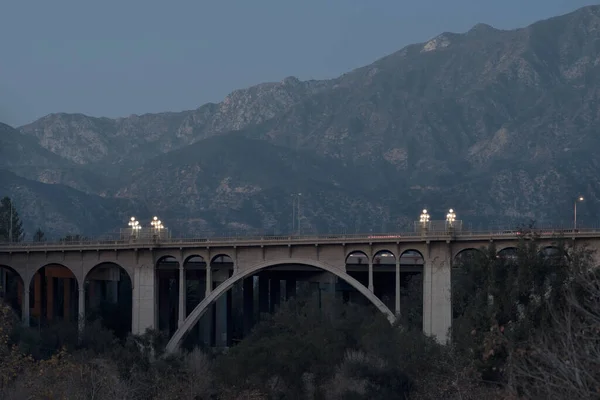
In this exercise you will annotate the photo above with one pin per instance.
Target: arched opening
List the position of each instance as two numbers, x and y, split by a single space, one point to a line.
108 297
554 254
11 289
53 295
467 256
384 277
411 288
357 266
167 280
508 254
269 292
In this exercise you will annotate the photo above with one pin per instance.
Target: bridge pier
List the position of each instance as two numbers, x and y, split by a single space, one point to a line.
144 299
263 293
397 310
274 293
182 295
290 288
25 307
437 304
81 306
222 312
248 304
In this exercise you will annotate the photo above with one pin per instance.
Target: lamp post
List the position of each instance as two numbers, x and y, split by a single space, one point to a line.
157 225
424 219
296 213
577 200
10 218
135 226
450 218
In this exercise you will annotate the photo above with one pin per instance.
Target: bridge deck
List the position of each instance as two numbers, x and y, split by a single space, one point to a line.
246 241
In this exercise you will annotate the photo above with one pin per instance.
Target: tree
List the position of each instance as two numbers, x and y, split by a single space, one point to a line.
9 218
503 305
39 236
74 238
564 362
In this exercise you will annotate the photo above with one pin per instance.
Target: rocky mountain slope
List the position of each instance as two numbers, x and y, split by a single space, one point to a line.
60 210
500 125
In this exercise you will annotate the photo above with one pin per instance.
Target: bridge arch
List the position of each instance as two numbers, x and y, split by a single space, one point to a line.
11 287
411 257
201 308
77 276
553 252
384 257
466 255
109 296
194 258
357 257
507 253
105 264
54 293
222 257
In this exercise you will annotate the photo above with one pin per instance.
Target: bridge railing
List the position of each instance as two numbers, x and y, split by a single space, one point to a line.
429 234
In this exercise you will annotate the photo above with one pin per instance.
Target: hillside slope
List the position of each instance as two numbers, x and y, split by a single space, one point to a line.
500 125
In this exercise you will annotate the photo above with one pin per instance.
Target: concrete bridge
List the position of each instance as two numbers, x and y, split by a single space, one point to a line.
173 283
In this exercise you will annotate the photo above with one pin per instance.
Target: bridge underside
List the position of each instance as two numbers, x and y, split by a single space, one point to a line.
232 316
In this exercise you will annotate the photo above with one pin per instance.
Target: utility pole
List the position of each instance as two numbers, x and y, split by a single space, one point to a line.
298 215
10 217
293 214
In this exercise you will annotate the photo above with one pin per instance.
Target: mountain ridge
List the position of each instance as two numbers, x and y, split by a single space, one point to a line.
487 122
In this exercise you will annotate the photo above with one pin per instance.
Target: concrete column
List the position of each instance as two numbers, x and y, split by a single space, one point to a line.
248 301
182 296
290 288
397 311
206 323
49 297
263 293
222 308
208 280
3 285
371 288
144 299
274 294
81 310
437 303
25 307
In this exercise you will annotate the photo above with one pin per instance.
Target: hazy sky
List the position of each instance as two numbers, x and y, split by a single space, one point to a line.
115 58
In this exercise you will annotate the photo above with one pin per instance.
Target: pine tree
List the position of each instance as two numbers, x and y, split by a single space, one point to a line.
39 236
6 208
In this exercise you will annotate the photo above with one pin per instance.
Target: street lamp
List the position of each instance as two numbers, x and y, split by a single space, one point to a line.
450 217
157 224
296 213
135 226
577 200
424 218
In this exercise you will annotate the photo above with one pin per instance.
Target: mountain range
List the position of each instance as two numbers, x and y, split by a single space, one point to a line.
500 125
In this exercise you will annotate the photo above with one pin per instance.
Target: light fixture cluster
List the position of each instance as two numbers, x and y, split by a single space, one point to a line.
156 224
425 217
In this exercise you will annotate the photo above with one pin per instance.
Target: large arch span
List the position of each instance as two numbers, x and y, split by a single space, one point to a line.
201 308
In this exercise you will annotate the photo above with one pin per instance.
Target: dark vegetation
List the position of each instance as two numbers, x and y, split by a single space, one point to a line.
526 325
